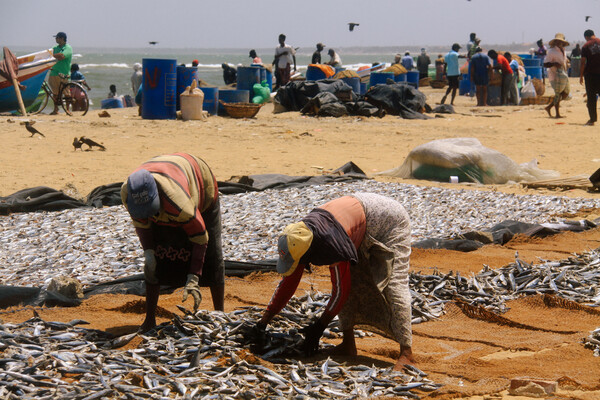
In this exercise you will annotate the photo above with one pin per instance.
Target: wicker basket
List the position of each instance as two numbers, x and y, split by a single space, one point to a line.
438 84
241 110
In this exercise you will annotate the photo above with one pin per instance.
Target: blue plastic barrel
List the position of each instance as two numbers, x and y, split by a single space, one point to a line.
159 96
413 77
314 73
380 77
532 62
185 76
232 96
247 77
265 75
363 88
400 78
534 72
211 99
354 83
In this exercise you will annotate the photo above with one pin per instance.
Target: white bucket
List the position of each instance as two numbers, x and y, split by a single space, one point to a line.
191 103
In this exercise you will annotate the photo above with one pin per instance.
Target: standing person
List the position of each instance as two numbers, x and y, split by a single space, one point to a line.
513 91
334 59
471 51
590 70
501 64
407 61
316 57
365 240
471 44
62 69
452 72
423 62
284 56
556 62
479 72
440 66
255 58
136 78
173 201
541 54
576 52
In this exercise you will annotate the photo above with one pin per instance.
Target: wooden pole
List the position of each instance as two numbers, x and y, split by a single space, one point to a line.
15 83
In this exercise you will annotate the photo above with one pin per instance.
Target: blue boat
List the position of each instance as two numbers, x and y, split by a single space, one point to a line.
33 69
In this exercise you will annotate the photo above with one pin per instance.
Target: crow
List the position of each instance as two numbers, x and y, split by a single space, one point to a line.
77 144
91 143
587 17
152 43
351 25
30 128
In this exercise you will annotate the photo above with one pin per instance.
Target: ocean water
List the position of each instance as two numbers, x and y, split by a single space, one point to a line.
104 67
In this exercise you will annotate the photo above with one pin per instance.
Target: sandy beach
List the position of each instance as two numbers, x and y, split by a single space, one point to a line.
472 358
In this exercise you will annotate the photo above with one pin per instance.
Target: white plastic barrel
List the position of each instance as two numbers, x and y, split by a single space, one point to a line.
191 103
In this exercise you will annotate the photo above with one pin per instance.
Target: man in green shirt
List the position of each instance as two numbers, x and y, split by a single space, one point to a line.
62 69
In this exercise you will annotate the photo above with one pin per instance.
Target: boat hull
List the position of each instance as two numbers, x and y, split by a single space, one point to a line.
33 69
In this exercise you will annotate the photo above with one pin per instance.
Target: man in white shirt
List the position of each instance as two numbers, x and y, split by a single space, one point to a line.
284 56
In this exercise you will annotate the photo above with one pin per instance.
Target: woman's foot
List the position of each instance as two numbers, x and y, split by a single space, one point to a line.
548 108
406 357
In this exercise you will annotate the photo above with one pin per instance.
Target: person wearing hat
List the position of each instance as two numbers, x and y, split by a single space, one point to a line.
195 63
62 69
423 62
316 57
556 63
255 58
173 201
452 72
365 240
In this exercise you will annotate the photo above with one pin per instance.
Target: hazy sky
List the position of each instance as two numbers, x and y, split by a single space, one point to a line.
256 24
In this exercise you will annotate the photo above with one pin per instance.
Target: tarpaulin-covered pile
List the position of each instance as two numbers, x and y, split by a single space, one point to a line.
335 98
399 99
467 159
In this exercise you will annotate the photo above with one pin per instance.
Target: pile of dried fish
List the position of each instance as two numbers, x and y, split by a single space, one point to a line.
593 342
99 245
198 356
576 278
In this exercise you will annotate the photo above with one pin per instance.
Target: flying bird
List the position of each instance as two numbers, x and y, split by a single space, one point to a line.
351 25
587 17
90 143
30 128
153 43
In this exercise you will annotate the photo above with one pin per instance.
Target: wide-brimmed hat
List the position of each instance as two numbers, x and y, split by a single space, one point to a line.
292 245
142 195
559 37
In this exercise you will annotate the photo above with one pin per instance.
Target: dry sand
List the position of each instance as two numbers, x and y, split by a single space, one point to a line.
471 357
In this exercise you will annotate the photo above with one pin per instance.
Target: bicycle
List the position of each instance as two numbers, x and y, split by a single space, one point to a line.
72 97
